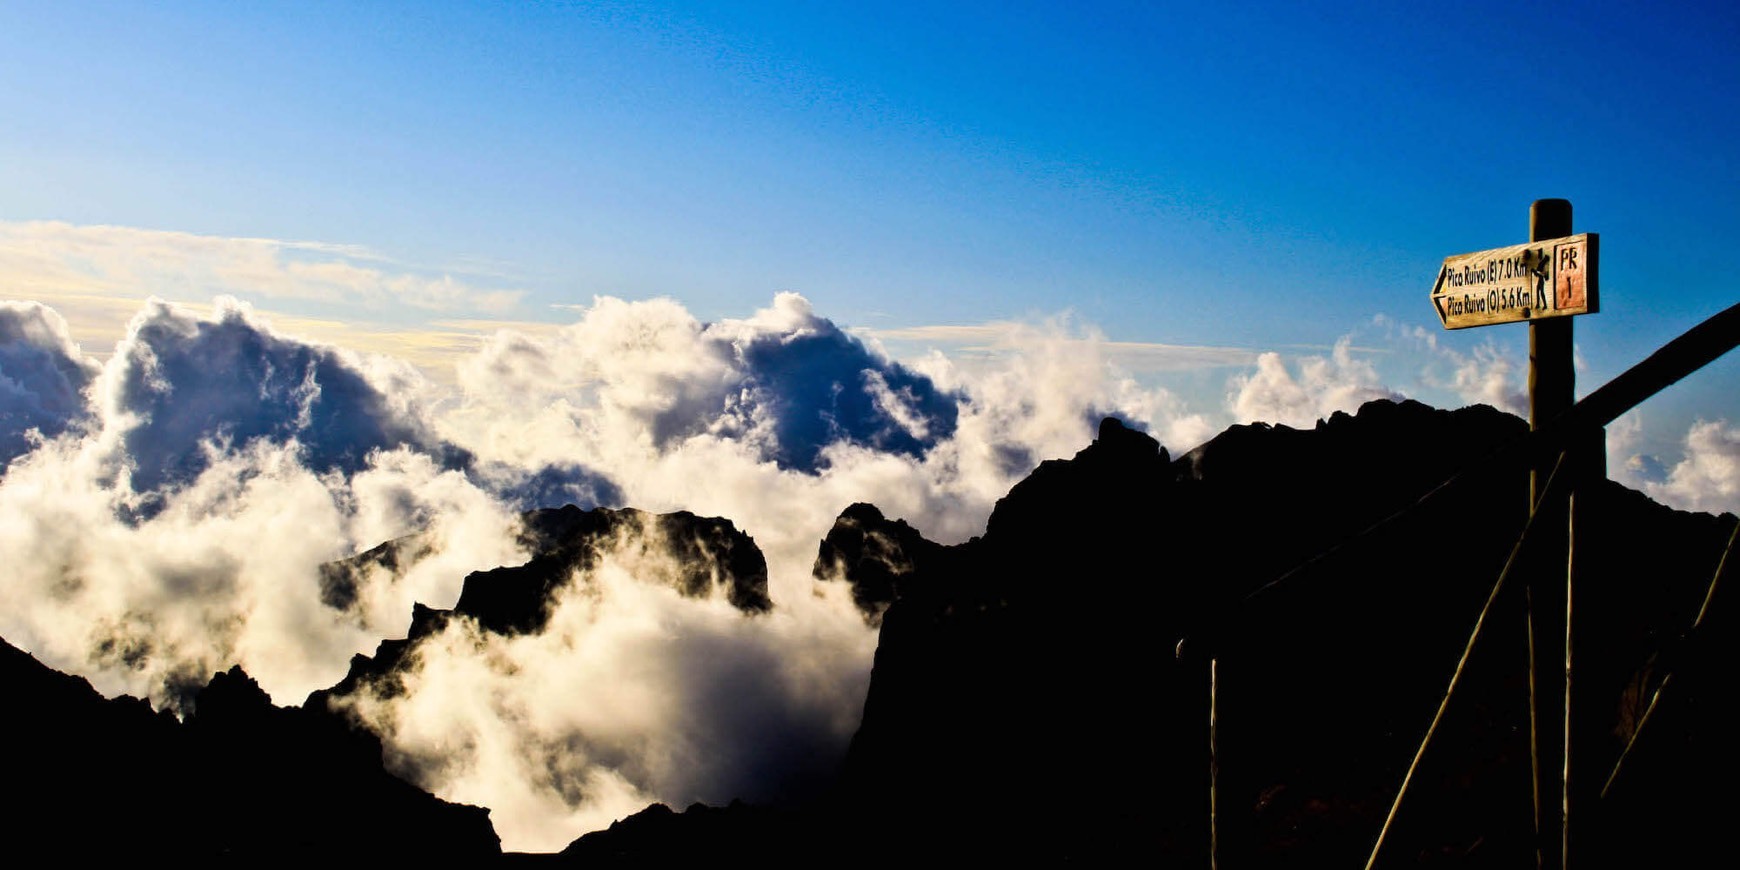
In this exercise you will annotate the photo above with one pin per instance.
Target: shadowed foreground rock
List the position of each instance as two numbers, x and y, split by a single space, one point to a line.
1027 702
242 779
239 780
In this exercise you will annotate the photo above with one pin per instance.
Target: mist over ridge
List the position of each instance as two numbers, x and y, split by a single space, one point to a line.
170 511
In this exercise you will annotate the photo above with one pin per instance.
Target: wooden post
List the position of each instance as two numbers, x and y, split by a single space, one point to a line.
1552 391
1214 763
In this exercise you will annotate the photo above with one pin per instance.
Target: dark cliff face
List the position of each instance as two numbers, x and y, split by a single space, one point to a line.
1026 697
876 556
238 780
1016 702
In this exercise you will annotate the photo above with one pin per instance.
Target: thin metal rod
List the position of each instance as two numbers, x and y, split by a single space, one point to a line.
1461 666
1697 624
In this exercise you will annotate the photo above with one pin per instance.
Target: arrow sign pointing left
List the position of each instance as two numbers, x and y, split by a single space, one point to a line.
1552 278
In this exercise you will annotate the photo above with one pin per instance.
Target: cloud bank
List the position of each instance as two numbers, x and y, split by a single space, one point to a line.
179 526
166 513
169 510
180 388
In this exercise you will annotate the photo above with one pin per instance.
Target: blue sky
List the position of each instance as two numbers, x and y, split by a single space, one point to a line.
1255 176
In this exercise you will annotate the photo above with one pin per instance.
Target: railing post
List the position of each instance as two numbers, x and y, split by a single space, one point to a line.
1214 763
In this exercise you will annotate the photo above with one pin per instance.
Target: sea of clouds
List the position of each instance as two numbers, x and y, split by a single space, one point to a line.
165 511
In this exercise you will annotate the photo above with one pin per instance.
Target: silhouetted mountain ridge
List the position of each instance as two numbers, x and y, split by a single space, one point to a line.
1026 700
1038 659
237 780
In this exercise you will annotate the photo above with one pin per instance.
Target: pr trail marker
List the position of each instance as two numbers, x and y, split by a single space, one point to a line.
1551 278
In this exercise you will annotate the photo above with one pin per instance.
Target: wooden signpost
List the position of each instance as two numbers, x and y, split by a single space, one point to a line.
1552 278
1543 283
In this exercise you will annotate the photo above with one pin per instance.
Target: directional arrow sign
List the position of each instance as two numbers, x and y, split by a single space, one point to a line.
1552 278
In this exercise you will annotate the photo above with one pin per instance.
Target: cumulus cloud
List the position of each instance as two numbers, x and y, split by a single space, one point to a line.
1490 377
1706 477
183 526
180 526
786 381
632 693
180 387
43 376
1319 387
226 570
1485 374
818 386
1043 388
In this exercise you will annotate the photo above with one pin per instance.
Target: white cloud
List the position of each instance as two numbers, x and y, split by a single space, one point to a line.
1321 386
178 381
632 693
226 571
51 259
1485 374
180 529
1706 478
184 529
43 376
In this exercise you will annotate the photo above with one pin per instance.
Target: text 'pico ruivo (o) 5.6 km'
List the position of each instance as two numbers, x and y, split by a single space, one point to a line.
1551 278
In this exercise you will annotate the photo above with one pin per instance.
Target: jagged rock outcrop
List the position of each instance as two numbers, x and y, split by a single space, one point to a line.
875 555
339 580
238 780
695 555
